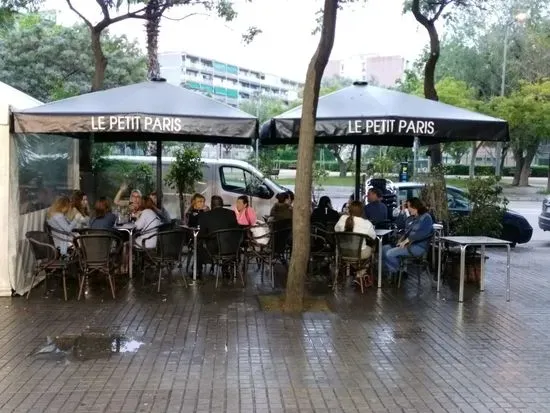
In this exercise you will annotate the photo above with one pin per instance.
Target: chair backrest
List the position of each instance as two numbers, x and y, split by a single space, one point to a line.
96 249
94 231
228 241
41 245
349 245
280 238
170 244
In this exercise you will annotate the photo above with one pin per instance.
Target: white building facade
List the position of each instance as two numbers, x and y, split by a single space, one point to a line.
223 81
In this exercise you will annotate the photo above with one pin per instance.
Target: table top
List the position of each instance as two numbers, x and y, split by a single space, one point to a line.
128 225
382 232
466 240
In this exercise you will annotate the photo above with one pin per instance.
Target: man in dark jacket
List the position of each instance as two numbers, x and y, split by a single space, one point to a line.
375 211
217 219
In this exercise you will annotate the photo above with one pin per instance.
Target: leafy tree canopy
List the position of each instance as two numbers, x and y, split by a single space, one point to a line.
50 62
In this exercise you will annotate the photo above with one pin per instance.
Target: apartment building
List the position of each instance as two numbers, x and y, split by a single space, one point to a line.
383 71
224 81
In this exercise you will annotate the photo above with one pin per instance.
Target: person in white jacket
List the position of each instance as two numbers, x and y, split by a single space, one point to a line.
354 222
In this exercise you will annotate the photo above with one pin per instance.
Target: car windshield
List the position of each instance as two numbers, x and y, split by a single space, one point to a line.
275 185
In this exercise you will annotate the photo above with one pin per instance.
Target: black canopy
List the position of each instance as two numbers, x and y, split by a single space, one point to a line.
153 110
364 114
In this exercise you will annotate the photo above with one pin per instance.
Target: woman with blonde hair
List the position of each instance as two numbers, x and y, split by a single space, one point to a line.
60 224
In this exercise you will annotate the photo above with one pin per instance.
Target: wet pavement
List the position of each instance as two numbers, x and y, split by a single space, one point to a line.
207 350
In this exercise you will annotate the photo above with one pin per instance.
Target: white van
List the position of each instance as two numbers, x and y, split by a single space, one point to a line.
227 178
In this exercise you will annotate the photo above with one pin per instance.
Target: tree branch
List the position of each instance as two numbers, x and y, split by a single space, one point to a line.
104 8
186 16
438 12
88 23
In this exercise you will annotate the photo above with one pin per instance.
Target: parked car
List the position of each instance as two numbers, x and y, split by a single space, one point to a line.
544 217
515 228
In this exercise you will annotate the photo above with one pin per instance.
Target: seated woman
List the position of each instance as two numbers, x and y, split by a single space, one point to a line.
62 228
80 211
324 213
354 222
146 224
415 240
246 216
282 210
194 212
104 218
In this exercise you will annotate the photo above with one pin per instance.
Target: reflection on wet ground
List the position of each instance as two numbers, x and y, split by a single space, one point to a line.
93 343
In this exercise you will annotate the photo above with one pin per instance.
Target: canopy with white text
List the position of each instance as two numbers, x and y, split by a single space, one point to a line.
369 115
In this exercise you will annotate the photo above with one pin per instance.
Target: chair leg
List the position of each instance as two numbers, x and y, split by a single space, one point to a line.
272 272
217 275
82 281
34 274
160 277
63 273
111 283
183 276
336 273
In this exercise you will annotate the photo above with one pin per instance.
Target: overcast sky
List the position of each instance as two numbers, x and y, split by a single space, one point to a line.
286 44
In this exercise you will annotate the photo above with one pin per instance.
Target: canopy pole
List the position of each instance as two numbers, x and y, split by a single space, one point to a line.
357 171
159 174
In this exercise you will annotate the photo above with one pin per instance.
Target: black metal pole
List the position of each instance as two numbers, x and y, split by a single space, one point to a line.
159 174
357 172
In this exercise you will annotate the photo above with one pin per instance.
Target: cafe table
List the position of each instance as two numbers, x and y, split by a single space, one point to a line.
129 228
464 242
380 234
195 232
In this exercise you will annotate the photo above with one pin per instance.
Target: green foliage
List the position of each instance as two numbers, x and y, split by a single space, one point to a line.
110 174
184 172
383 165
319 178
265 108
266 161
434 193
527 111
488 206
49 61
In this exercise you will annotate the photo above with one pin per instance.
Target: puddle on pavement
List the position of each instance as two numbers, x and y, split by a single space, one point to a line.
90 344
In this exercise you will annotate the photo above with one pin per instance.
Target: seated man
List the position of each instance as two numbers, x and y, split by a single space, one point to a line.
375 211
416 239
217 219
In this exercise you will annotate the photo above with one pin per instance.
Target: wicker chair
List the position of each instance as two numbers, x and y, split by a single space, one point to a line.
98 253
349 248
47 258
224 248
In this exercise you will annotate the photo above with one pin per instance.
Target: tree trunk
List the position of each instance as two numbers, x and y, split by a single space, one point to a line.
87 179
518 157
429 85
503 159
304 170
473 155
182 205
152 26
342 165
100 61
526 167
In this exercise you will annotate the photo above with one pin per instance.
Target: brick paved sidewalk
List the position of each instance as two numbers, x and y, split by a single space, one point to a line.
214 351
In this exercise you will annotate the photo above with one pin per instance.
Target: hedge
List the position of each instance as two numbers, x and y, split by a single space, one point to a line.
464 170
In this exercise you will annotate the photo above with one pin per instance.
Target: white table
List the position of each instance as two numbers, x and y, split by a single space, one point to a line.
465 242
380 234
129 228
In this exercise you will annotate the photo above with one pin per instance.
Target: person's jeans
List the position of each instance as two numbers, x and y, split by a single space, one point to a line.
391 255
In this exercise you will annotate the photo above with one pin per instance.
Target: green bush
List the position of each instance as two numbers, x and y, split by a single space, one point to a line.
109 174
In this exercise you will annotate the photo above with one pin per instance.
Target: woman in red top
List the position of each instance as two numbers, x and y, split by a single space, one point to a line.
246 216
